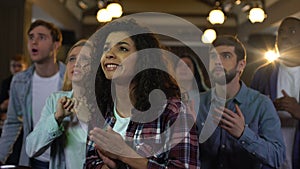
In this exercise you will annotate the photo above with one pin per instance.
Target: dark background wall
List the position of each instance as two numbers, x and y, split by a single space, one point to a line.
13 20
16 16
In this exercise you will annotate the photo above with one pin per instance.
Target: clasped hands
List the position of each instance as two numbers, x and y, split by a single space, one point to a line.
111 147
68 106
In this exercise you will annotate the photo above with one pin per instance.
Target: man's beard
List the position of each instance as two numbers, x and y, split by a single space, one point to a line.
222 80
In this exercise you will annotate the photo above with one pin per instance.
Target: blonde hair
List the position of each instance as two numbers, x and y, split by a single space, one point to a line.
67 83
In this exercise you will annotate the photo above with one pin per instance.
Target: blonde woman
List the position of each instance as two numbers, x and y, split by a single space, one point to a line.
61 126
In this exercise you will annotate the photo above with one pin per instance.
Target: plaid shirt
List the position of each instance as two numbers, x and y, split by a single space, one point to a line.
170 141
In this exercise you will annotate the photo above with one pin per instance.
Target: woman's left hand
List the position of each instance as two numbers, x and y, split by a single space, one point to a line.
110 163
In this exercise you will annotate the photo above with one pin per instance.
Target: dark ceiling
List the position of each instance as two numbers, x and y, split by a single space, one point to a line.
196 12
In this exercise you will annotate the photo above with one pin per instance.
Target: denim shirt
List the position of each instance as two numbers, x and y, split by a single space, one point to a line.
260 145
19 113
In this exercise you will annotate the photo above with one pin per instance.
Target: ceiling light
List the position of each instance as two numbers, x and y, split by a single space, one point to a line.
115 10
103 16
257 15
216 16
82 4
209 36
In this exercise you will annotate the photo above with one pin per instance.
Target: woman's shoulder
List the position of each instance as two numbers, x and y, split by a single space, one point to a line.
59 94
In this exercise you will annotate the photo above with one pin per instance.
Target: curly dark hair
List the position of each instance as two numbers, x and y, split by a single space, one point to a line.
146 80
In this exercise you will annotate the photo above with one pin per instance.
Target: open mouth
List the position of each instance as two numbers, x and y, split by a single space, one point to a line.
34 51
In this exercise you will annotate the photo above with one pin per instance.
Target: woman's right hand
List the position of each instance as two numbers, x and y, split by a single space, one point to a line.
64 108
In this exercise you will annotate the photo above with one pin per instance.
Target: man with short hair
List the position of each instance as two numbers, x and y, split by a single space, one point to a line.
30 89
238 126
280 81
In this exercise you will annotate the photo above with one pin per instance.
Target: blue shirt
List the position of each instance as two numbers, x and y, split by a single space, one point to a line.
261 143
19 113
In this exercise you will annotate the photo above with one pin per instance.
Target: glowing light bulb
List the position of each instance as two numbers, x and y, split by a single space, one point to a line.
115 10
257 15
216 16
103 16
209 36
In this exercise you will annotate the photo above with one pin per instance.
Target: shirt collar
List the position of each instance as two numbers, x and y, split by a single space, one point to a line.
241 96
238 98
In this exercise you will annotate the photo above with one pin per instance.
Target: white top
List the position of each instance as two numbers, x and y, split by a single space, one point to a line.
42 88
288 79
75 147
121 124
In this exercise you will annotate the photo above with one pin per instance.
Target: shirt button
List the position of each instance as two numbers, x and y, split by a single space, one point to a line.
243 142
246 125
221 165
223 146
202 124
253 153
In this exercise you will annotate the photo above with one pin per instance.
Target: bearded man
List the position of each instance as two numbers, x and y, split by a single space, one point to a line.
238 126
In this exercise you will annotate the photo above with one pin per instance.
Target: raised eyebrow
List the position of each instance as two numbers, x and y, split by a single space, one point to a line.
222 53
119 43
122 42
40 34
73 55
